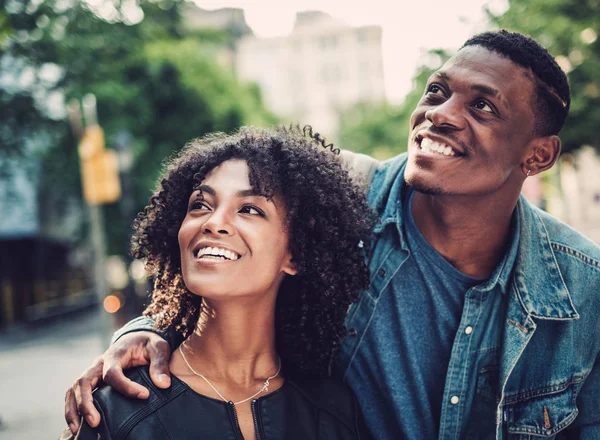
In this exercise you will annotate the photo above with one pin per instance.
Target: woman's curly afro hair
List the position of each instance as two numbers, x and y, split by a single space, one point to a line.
328 221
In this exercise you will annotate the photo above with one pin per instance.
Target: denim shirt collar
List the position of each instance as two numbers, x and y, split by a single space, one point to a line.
539 284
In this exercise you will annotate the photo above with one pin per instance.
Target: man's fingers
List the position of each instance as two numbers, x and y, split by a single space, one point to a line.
83 394
71 414
114 377
78 400
159 353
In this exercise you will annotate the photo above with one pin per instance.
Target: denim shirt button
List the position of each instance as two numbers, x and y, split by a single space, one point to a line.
352 332
469 330
381 273
454 400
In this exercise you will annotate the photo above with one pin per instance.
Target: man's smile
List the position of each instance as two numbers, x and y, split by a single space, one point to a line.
431 146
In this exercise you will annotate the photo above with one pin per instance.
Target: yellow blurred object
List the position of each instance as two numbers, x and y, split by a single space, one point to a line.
112 303
99 168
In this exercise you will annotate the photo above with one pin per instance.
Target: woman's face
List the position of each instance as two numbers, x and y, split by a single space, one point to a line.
233 243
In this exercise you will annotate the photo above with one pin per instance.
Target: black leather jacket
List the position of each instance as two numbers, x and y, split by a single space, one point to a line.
322 409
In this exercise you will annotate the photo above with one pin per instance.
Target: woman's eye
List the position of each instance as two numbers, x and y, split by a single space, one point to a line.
248 209
483 105
199 205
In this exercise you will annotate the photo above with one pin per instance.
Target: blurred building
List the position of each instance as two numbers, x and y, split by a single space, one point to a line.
41 274
231 20
321 68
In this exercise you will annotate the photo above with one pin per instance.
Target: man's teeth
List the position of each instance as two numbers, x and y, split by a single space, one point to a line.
430 146
217 252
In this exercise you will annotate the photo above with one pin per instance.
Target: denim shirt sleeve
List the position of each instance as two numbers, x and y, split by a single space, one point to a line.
587 424
143 323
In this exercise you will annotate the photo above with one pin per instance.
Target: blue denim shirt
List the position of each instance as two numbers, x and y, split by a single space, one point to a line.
543 378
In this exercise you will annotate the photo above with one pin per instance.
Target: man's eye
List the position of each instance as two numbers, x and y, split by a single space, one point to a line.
484 106
435 89
252 210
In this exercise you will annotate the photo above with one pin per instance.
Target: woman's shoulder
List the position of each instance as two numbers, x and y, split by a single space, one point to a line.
328 395
119 411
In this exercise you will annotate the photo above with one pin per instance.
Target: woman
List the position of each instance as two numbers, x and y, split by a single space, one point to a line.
255 244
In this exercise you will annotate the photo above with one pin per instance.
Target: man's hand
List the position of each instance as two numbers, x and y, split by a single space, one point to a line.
131 350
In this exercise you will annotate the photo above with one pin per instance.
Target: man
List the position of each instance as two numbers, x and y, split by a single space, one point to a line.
481 320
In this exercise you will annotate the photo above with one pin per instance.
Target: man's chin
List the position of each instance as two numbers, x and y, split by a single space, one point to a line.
421 186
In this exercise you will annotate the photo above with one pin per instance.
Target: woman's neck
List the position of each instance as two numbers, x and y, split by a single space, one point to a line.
234 342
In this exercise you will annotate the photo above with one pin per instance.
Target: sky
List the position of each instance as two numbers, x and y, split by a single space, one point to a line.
410 29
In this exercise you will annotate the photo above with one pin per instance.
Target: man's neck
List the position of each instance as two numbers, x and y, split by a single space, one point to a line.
472 234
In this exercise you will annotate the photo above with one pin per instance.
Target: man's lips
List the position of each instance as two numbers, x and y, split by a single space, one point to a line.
437 145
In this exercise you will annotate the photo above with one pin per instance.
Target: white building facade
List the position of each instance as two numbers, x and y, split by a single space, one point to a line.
323 67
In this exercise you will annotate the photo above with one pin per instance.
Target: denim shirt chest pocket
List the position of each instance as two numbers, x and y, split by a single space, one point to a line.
541 413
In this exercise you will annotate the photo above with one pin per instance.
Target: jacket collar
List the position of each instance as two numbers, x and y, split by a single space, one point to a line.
537 278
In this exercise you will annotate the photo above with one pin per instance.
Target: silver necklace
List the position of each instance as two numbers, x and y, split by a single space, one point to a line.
264 388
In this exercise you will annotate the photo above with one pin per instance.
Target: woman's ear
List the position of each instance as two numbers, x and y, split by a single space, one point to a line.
289 266
543 153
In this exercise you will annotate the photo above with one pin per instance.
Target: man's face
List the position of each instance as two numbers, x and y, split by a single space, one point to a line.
470 129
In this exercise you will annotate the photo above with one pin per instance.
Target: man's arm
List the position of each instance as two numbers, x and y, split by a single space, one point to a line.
137 343
587 423
360 166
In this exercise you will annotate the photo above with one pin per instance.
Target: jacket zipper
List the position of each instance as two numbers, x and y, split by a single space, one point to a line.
237 422
254 408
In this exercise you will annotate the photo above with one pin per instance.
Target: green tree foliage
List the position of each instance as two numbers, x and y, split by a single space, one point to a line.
381 130
569 30
157 86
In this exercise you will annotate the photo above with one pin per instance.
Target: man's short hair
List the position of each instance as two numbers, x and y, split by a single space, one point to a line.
552 98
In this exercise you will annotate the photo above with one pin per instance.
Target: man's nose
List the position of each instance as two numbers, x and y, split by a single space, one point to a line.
447 115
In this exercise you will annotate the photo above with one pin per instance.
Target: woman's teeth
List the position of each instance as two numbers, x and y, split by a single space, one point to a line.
217 253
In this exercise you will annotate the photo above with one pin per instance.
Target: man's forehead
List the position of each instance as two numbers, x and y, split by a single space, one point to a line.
481 59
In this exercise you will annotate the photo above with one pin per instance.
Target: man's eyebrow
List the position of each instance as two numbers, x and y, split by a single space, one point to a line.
491 91
442 75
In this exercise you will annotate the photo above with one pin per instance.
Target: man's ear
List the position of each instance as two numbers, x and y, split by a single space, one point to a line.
542 155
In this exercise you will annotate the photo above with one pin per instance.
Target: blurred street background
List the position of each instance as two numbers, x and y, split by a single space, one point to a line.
36 367
95 94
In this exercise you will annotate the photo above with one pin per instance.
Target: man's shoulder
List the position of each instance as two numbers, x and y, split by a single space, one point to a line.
365 169
565 239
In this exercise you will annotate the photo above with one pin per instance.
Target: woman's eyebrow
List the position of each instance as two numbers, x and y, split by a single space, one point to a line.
207 189
250 192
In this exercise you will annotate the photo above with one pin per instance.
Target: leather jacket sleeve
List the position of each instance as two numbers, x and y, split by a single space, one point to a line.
142 323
